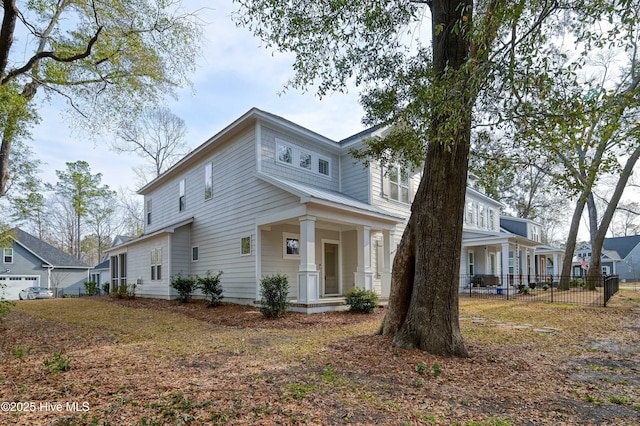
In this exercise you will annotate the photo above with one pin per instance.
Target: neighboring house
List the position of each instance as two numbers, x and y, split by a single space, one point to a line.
31 262
101 273
266 196
620 256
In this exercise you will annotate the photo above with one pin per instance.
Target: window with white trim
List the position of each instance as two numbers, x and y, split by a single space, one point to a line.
290 245
195 254
148 212
156 264
305 160
492 220
7 255
182 201
302 158
324 166
245 246
208 181
396 183
535 233
481 220
469 214
285 154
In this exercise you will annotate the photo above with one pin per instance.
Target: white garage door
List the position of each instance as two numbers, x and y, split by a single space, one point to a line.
15 283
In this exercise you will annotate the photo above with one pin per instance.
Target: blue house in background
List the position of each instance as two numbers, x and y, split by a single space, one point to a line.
620 256
31 262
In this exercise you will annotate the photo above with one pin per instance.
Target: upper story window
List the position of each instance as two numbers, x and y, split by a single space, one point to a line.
468 216
7 255
148 212
396 179
285 154
535 234
302 158
492 220
323 166
481 218
182 201
208 181
305 160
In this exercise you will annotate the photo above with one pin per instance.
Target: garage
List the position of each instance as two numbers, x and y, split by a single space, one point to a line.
15 283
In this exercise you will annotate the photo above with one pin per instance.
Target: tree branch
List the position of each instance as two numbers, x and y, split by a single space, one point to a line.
6 33
41 55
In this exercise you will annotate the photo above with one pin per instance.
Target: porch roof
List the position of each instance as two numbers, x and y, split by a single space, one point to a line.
491 238
170 229
308 193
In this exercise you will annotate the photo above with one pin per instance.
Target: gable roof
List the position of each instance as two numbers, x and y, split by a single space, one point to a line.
247 121
46 252
621 245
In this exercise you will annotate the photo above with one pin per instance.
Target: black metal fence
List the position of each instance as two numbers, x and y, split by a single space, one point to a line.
551 289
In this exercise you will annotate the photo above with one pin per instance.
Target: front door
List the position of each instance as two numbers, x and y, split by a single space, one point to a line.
331 267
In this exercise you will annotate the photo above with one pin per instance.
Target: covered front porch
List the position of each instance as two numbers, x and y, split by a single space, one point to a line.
326 245
325 253
498 261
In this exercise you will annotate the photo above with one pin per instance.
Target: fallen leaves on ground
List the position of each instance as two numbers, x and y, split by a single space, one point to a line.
152 362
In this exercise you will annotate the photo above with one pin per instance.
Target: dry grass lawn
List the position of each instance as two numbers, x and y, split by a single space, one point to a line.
99 361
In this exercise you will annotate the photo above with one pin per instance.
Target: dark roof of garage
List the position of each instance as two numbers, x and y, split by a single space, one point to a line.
46 252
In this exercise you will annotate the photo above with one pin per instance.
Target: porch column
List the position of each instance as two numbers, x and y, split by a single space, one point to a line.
556 271
308 284
363 275
532 264
388 238
504 264
517 268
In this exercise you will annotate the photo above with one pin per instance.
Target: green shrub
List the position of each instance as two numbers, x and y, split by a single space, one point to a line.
361 300
210 286
124 291
185 286
274 290
105 288
91 288
58 364
576 283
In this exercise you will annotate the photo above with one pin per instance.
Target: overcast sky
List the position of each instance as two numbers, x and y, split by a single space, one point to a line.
234 75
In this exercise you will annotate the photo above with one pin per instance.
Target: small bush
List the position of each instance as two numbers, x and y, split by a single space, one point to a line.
58 364
576 283
210 286
105 288
124 291
274 290
91 288
185 286
361 300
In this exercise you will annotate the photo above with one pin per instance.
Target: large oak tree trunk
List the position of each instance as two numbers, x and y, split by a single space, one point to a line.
567 264
594 275
423 306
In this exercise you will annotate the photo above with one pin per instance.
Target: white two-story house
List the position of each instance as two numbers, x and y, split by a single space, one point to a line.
267 196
